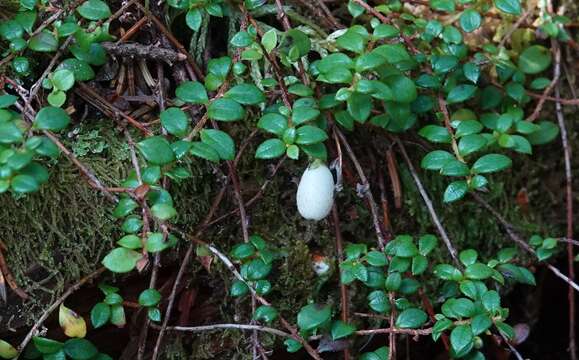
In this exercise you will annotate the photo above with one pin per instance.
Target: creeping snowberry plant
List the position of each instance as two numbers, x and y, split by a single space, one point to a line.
425 70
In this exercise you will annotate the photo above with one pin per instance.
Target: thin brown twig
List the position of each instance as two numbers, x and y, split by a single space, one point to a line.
509 228
428 203
10 279
189 253
32 332
340 256
569 200
287 26
366 186
556 75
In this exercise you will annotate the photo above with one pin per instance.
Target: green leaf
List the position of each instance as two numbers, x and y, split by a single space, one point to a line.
468 127
480 324
308 134
512 7
175 121
269 40
154 314
436 159
204 151
385 31
56 98
63 79
118 315
24 184
461 93
11 30
80 349
51 118
455 191
403 88
149 297
471 143
468 257
256 269
335 61
156 150
411 319
156 243
270 149
534 59
478 271
471 72
194 18
546 133
359 106
419 264
470 20
461 339
225 110
292 345
404 246
220 141
44 41
313 315
393 281
376 258
46 346
491 163
124 207
378 301
447 272
505 329
273 123
262 287
454 168
121 260
238 288
443 5
303 114
242 251
341 330
265 313
435 134
192 92
352 41
100 315
94 10
491 301
426 244
444 63
7 351
131 241
163 211
539 83
246 94
81 69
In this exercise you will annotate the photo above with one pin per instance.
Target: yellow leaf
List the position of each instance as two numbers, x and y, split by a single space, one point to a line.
72 324
7 351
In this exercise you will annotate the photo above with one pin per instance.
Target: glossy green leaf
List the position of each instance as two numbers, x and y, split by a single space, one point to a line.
156 150
225 110
270 149
220 141
94 10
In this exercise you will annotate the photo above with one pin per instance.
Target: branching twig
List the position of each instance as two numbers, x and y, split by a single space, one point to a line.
517 239
32 332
